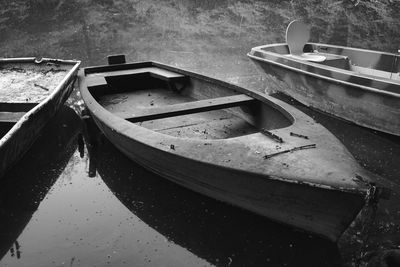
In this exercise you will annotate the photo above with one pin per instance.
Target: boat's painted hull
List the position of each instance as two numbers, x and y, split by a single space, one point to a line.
24 133
329 92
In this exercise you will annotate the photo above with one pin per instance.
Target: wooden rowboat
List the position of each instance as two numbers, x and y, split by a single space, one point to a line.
168 209
358 85
31 92
229 143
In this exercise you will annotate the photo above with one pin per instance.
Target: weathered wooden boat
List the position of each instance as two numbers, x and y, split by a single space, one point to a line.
235 145
358 85
31 92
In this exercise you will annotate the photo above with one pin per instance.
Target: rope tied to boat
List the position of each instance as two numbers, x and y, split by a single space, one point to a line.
368 216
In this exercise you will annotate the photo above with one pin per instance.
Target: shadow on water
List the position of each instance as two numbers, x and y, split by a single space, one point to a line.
217 232
27 183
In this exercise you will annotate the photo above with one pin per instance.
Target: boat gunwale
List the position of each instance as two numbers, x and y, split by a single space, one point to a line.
319 66
36 109
114 122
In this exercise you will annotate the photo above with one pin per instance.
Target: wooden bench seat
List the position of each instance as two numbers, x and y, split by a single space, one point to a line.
166 111
155 72
6 116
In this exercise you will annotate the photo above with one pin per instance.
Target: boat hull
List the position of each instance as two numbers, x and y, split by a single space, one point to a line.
339 97
321 211
24 133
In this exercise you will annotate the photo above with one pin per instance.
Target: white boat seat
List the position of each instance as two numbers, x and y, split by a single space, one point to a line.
314 57
297 35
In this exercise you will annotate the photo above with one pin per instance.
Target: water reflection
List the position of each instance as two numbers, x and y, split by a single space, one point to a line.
27 183
221 234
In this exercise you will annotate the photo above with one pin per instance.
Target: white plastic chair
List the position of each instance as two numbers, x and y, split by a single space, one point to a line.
297 35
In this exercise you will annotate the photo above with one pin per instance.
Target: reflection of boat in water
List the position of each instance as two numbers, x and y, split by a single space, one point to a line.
31 92
358 85
212 230
229 143
25 185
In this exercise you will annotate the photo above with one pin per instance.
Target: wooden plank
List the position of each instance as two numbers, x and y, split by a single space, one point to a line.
11 116
95 81
17 106
152 71
190 108
127 66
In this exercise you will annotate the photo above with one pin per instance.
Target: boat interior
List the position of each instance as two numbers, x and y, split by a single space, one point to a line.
367 62
377 70
181 105
11 113
23 86
353 65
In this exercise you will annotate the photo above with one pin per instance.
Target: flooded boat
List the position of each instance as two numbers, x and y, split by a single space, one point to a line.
32 90
229 143
358 85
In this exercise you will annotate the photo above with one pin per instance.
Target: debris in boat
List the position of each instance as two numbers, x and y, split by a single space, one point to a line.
271 135
172 147
290 150
40 86
298 135
16 83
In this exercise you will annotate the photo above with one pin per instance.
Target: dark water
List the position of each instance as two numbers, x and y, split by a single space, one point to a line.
53 214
